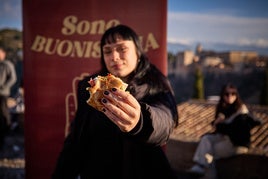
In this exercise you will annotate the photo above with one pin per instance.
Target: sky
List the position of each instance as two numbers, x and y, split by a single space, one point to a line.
234 22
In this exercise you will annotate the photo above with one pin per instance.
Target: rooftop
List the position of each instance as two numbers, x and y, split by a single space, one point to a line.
196 117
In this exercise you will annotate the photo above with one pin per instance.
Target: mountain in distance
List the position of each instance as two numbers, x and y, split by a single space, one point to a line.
217 47
178 47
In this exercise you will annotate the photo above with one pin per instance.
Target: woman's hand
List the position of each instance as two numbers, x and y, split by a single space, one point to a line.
219 119
121 108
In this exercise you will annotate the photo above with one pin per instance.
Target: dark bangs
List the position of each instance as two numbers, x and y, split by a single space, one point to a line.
120 31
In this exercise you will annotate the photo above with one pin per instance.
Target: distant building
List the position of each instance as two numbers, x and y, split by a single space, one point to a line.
198 49
233 57
212 61
185 58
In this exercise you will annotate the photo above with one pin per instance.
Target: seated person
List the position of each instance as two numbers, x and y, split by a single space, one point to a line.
232 132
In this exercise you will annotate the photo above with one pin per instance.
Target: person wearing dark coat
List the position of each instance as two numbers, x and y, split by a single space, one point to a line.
123 141
231 136
239 129
8 78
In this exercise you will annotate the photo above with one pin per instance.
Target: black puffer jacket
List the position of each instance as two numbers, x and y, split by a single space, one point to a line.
96 148
239 129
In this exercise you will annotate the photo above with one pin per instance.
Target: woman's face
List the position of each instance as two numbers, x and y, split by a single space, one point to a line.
230 95
2 54
120 57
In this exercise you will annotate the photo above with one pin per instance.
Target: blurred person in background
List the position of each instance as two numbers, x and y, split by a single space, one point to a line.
232 126
8 78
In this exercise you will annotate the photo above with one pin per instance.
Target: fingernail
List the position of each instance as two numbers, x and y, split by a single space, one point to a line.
104 100
113 89
106 92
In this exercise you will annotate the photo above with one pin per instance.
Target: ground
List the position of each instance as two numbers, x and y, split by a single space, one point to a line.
12 161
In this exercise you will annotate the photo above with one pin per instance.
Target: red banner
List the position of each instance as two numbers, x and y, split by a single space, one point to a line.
61 45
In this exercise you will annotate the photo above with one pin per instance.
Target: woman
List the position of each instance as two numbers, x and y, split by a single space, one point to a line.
232 132
124 140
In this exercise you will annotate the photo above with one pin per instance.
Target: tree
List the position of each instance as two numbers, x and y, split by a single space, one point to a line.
198 84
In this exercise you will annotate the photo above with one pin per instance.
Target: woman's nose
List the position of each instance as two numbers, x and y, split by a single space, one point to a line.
115 55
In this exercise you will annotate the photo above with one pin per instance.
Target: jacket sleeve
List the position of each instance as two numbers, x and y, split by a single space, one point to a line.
12 75
158 117
11 78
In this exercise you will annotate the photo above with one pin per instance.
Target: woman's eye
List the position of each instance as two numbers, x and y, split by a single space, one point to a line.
107 52
122 49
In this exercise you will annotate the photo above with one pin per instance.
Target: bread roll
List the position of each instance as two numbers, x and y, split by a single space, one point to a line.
98 85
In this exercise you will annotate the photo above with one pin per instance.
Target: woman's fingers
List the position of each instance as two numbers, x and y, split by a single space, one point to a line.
126 97
122 108
123 100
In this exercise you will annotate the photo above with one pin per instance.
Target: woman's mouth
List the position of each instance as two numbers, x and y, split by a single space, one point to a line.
117 66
